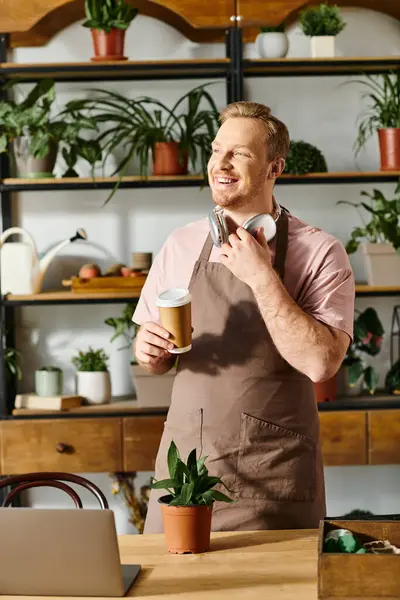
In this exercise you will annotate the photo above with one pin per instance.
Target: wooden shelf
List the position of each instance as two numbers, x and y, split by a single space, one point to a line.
371 290
71 298
117 406
319 66
118 70
88 183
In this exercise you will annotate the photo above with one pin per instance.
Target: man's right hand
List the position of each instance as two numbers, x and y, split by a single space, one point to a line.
151 348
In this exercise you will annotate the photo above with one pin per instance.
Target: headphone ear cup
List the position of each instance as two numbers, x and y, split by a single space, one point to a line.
218 228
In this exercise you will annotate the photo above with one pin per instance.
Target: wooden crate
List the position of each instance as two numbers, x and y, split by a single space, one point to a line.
357 576
106 284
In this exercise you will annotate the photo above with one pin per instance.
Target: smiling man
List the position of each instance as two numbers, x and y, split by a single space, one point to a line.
269 318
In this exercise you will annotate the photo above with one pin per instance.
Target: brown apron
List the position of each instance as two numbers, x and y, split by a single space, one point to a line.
241 404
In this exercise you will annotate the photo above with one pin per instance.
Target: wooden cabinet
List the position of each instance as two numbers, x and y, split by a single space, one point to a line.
344 438
142 437
69 445
384 437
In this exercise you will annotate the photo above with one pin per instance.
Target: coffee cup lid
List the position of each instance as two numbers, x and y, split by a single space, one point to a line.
174 297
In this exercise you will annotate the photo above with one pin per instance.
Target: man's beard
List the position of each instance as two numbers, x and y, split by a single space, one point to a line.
241 198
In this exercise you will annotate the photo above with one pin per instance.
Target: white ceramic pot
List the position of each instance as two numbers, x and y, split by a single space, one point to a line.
152 390
344 388
272 44
49 383
323 46
382 264
94 386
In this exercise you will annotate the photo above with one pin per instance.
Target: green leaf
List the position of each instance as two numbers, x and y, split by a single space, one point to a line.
172 459
186 493
215 495
355 371
192 463
165 484
371 379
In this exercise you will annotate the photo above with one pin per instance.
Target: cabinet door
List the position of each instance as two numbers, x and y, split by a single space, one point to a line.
344 438
254 13
69 445
142 436
384 437
200 15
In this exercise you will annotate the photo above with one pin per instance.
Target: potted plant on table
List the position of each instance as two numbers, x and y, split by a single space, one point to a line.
272 42
382 116
368 335
151 390
93 378
322 24
49 381
304 158
379 238
28 129
187 508
108 20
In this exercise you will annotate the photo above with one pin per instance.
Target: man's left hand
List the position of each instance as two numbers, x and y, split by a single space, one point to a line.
248 257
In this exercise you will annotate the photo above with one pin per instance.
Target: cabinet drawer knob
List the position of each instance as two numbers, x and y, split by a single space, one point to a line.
64 448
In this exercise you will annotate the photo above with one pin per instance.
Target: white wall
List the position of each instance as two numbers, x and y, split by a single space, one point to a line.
319 110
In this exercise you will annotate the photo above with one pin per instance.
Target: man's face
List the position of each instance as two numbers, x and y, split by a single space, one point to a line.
238 167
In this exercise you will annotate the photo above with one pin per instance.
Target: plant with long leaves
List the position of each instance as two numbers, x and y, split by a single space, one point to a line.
32 118
189 483
105 15
368 335
383 109
138 124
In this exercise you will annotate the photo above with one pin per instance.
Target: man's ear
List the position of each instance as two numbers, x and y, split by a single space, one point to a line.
276 168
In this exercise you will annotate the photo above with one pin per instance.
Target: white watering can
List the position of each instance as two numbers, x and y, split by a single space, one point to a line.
22 272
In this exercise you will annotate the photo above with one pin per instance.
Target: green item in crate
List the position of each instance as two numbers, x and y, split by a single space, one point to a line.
342 541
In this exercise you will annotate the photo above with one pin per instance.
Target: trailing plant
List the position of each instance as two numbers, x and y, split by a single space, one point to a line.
51 369
324 19
105 15
304 158
138 124
383 109
392 379
91 360
384 223
124 326
189 483
11 359
32 119
368 336
274 28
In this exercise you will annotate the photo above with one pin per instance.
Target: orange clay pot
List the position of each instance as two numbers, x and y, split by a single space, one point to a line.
166 159
108 46
325 391
389 146
187 528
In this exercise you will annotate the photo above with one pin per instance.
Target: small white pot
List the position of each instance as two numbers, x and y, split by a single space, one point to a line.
94 386
382 264
323 46
272 44
152 390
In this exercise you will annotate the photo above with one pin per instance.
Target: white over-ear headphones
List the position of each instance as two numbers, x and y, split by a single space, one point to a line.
220 232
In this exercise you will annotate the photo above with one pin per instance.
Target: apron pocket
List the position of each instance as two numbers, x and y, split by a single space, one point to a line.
185 429
274 463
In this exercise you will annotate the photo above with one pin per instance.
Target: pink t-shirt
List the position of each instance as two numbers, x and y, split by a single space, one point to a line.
318 274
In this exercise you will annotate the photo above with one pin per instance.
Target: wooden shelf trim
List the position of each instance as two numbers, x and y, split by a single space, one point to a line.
71 297
379 289
316 66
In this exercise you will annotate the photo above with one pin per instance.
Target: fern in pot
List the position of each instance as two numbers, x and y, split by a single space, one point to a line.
322 24
188 505
93 378
378 237
151 390
108 20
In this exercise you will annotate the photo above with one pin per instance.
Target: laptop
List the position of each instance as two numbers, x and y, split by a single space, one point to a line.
61 552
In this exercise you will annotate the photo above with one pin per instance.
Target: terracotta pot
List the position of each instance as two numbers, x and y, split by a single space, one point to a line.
325 391
108 46
389 146
187 528
166 159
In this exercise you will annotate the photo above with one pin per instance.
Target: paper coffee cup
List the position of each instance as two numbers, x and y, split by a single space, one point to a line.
175 306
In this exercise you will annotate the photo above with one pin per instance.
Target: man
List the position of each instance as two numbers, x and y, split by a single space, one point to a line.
269 319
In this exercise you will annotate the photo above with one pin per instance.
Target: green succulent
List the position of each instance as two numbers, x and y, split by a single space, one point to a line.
324 19
92 360
304 158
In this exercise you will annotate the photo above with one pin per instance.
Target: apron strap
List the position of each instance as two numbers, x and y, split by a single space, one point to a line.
207 249
281 243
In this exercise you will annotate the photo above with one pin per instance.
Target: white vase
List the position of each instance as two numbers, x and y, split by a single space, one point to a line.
94 386
272 44
323 46
152 390
382 264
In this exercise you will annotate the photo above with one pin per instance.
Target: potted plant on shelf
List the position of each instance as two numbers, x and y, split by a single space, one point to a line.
392 379
368 336
151 390
322 24
382 115
11 360
187 508
379 238
49 381
272 42
304 158
108 20
35 137
93 378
